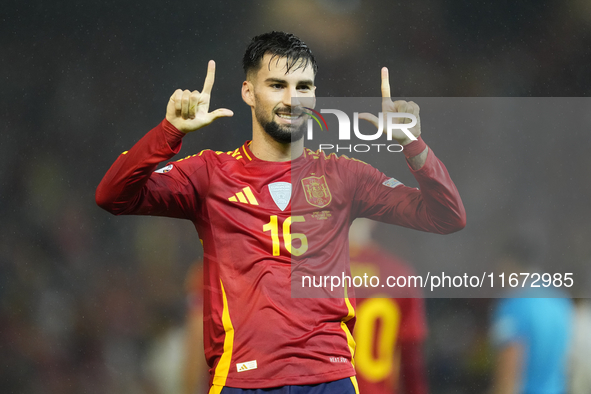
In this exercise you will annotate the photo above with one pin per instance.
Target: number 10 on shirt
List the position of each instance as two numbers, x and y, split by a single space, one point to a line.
288 236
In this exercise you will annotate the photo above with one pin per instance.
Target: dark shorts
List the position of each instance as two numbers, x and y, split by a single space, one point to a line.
342 386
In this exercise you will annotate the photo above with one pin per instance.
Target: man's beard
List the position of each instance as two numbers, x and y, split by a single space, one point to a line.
282 134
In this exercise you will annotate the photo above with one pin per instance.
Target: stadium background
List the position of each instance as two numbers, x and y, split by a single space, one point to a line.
84 296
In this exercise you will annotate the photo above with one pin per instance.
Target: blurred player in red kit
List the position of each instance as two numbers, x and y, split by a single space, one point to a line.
391 326
262 214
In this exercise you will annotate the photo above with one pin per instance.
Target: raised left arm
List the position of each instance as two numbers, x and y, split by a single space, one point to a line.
403 135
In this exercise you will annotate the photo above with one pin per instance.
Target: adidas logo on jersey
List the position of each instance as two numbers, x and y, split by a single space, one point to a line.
245 197
247 366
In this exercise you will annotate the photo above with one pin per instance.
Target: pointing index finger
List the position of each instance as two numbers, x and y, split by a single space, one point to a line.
385 83
209 78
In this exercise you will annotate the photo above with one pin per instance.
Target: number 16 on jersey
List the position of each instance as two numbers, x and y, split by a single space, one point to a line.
288 236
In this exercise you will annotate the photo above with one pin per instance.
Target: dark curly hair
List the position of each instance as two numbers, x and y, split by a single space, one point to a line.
279 45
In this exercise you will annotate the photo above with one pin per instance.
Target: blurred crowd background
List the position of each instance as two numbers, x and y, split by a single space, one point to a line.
91 303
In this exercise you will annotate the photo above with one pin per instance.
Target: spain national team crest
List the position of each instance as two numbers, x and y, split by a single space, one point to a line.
316 191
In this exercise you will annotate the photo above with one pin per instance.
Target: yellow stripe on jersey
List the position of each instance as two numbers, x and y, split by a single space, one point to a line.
350 315
234 153
354 381
246 153
188 157
360 161
215 389
124 153
316 155
246 198
251 198
241 198
223 367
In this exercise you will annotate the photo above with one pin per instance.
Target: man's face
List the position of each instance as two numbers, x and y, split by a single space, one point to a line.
273 91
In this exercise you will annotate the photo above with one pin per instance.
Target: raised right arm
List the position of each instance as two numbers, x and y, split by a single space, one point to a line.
132 187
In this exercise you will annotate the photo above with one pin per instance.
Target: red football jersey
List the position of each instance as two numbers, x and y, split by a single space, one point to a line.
385 324
253 216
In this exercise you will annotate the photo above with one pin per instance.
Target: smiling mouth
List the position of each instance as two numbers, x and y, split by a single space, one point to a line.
289 116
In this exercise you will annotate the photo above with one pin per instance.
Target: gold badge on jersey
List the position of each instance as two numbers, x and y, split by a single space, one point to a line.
316 191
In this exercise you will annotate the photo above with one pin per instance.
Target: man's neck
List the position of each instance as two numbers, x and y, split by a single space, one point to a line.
264 147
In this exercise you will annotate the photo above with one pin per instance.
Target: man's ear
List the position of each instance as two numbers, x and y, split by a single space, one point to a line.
248 93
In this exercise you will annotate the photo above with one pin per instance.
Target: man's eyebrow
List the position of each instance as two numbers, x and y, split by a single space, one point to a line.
276 80
283 81
306 82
